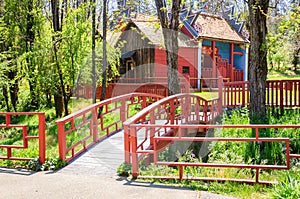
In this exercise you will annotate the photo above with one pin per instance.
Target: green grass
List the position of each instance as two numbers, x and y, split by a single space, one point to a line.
282 75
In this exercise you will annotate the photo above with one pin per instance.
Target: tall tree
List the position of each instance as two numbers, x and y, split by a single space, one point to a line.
170 26
94 74
58 96
258 10
104 51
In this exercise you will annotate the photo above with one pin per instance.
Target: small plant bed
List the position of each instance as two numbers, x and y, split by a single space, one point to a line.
249 153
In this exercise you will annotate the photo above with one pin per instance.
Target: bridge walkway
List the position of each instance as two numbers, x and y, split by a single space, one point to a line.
102 159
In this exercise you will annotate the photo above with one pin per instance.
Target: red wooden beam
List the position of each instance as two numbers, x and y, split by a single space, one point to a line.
213 56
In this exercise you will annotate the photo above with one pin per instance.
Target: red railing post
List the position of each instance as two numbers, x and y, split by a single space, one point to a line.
95 124
288 154
61 140
172 111
220 101
243 94
144 102
7 119
123 113
135 161
42 137
281 95
126 144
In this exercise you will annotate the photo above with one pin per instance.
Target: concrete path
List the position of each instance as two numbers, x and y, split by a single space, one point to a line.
92 175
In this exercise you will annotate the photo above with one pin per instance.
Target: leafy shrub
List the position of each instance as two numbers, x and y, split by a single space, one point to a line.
124 170
287 189
50 164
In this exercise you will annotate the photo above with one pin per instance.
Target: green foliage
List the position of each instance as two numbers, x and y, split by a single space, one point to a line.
288 188
124 170
283 41
50 164
28 59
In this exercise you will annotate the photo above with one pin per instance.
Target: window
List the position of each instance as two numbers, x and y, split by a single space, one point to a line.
186 70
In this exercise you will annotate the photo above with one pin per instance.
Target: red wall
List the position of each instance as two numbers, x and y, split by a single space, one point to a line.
186 57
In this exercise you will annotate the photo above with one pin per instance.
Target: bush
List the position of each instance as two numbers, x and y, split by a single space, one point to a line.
50 164
287 189
124 170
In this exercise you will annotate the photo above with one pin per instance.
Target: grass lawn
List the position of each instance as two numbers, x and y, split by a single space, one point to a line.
282 75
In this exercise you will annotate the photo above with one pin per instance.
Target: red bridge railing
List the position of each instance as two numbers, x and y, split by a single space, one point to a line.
177 109
148 139
25 137
81 130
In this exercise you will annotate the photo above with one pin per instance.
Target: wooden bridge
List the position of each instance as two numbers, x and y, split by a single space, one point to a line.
151 122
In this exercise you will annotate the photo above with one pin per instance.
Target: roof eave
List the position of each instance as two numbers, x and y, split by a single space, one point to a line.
222 40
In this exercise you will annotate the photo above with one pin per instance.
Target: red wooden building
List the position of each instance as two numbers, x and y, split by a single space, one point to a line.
209 46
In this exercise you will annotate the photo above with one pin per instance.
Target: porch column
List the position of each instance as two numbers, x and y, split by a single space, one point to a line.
213 57
231 62
199 63
246 64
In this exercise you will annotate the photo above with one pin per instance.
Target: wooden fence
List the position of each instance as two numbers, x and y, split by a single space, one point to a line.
279 93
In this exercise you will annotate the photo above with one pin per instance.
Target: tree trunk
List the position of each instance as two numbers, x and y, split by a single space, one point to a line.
59 104
170 32
13 89
61 89
5 94
94 74
258 65
30 37
61 81
104 59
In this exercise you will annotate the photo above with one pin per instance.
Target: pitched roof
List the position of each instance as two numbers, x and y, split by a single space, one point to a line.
155 35
113 37
216 28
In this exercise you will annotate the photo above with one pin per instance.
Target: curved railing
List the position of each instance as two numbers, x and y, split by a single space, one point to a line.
178 110
82 129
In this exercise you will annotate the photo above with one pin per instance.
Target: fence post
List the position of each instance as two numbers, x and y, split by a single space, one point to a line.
281 95
61 140
7 119
126 144
42 137
95 124
220 101
135 161
243 94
